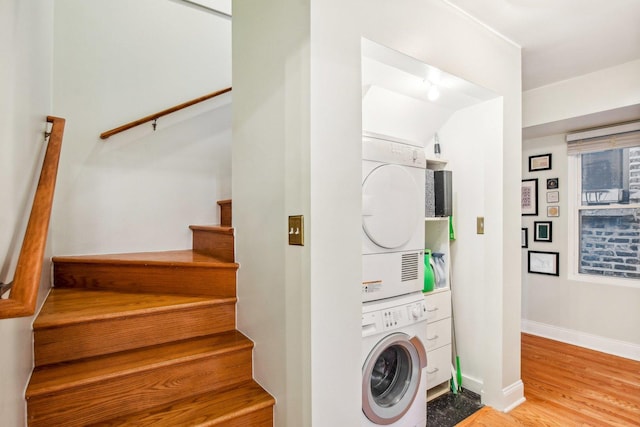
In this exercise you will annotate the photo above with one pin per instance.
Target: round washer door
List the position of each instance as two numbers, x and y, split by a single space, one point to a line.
391 377
390 206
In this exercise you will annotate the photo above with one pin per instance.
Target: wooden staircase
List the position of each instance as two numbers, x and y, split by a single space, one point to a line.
146 339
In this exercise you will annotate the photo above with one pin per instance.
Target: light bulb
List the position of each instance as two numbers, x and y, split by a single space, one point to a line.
433 93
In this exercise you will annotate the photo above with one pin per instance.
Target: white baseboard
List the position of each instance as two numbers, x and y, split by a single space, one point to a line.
472 384
513 395
582 339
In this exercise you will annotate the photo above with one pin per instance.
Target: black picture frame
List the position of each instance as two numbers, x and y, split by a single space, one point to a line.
541 162
524 237
529 197
552 184
547 263
542 231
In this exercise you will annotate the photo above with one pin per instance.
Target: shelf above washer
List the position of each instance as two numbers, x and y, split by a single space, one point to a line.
436 164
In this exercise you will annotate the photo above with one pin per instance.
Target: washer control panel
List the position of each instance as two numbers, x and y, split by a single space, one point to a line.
393 318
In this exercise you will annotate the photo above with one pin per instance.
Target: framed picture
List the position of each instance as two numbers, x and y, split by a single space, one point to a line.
553 196
524 237
543 263
529 196
552 183
542 231
541 162
553 211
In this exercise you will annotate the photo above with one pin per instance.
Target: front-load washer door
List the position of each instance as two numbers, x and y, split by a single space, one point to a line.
390 206
391 377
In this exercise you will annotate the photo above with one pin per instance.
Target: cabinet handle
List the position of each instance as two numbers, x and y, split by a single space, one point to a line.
435 337
431 310
433 372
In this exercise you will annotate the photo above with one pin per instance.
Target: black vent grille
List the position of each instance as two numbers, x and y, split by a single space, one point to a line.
410 265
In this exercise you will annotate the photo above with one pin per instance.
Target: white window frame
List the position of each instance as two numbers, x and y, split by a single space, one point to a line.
573 223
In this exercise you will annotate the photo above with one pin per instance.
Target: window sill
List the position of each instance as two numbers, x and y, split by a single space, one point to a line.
604 280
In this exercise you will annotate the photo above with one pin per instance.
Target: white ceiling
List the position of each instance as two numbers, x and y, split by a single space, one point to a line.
561 39
394 94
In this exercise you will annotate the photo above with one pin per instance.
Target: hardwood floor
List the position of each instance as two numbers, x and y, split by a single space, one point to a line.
567 385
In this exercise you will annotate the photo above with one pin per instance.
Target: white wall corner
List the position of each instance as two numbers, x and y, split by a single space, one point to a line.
509 398
512 396
473 384
582 339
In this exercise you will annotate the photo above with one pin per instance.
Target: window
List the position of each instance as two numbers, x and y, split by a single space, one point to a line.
608 208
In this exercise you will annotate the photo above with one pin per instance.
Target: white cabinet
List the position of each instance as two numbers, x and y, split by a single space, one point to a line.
438 305
438 343
438 334
438 370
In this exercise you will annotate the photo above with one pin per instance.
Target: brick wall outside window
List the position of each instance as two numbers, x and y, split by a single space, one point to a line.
610 244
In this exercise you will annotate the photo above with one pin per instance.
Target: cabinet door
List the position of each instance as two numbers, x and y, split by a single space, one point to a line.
438 366
438 334
438 306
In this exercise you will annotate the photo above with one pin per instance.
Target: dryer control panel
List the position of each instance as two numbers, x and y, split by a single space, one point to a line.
380 150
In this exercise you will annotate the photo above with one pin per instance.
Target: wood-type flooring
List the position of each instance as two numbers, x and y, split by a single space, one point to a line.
566 385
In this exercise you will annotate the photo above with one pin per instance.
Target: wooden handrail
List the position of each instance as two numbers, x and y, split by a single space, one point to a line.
152 117
26 280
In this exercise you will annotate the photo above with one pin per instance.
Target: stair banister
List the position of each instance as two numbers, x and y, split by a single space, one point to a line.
202 6
156 116
26 281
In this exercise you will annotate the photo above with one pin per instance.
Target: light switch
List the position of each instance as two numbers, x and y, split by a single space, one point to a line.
296 230
480 225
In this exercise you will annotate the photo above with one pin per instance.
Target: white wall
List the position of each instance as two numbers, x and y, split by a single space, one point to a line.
469 142
118 61
26 29
588 314
335 200
594 315
271 180
592 93
297 124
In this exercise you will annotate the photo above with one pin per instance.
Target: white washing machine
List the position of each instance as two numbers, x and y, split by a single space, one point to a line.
394 360
393 180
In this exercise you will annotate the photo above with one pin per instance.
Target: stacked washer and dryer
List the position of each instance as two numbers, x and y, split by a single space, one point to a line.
394 317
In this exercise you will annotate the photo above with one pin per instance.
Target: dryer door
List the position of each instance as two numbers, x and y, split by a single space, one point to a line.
390 206
391 377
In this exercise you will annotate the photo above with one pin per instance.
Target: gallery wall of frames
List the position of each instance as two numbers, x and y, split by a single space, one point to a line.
540 199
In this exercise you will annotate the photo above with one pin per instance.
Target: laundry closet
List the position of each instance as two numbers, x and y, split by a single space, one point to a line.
418 121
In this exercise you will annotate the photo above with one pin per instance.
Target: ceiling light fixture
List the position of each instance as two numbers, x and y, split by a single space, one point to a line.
433 92
431 88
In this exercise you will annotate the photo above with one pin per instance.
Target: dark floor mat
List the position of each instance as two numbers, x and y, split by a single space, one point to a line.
449 409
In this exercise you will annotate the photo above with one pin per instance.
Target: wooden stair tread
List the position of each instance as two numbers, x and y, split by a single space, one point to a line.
185 258
67 306
209 409
213 228
53 378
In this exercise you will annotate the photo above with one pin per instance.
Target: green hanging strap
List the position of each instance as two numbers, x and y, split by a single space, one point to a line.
452 233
